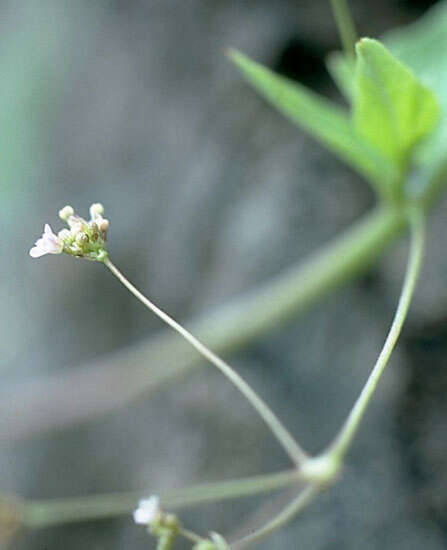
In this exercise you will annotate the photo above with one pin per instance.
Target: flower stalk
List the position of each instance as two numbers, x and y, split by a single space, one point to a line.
293 449
347 433
45 513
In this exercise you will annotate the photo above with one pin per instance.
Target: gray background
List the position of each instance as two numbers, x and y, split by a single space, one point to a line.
209 193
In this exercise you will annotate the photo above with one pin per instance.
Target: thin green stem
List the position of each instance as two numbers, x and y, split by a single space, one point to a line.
291 510
44 513
347 433
333 457
164 357
288 442
189 535
346 27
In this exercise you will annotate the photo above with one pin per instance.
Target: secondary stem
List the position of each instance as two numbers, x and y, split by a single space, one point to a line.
189 535
345 26
46 513
300 502
292 448
334 455
341 443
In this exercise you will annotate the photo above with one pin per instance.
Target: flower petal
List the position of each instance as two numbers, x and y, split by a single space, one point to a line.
37 252
146 511
49 243
140 516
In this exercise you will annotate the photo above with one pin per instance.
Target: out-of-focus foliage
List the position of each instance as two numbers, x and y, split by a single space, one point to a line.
423 46
393 111
342 72
324 120
28 83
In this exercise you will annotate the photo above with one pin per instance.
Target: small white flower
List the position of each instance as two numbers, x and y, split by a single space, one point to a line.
49 243
146 511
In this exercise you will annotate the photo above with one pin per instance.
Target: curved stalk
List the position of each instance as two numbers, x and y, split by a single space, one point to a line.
288 442
343 440
300 502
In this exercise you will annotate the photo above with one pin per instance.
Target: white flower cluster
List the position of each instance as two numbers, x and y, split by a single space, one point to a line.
83 239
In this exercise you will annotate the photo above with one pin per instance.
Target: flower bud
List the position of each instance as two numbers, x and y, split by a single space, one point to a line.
76 226
66 212
64 234
217 542
103 225
82 239
171 521
96 209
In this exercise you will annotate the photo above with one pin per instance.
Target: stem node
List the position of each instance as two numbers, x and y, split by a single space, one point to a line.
323 470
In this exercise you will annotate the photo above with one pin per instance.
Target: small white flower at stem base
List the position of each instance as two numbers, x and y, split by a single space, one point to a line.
49 243
147 511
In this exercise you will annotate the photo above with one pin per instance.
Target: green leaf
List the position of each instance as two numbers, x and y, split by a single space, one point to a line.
342 73
423 46
393 110
325 121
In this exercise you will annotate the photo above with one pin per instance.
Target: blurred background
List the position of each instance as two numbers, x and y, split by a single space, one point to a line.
210 193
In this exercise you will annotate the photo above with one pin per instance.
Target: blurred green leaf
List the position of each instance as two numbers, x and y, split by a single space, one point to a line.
325 121
392 109
342 73
423 46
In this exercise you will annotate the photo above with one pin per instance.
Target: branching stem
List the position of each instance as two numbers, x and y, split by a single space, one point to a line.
44 513
328 464
293 508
